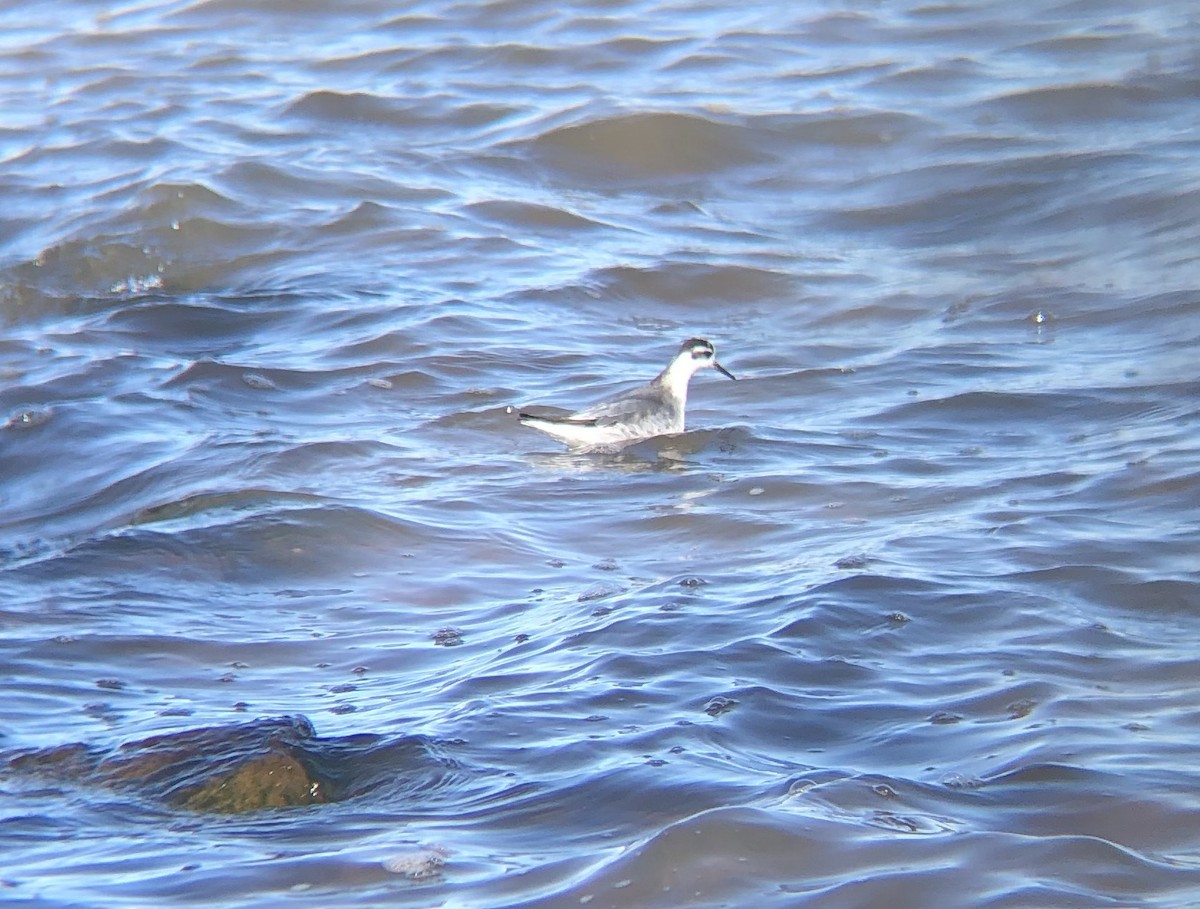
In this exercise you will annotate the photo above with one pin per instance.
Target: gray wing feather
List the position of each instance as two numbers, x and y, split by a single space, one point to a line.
620 409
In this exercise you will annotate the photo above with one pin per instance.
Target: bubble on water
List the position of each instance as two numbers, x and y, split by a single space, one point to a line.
718 705
259 381
376 382
448 637
852 562
137 284
419 864
28 419
944 718
799 787
599 591
1020 708
955 780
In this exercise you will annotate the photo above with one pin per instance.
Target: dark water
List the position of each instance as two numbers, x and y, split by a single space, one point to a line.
908 618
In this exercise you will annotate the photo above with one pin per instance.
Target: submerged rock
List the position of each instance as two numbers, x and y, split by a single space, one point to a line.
265 763
270 781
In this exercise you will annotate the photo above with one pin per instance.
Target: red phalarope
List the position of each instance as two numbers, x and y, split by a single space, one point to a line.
654 409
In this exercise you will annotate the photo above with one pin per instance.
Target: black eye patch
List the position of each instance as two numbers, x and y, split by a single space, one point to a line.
699 353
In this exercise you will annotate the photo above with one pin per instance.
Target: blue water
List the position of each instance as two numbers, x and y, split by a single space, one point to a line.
906 616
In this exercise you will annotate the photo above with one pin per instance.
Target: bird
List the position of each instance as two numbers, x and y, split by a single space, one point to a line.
654 409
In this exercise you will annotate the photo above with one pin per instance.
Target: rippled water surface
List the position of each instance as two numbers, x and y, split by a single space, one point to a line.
906 618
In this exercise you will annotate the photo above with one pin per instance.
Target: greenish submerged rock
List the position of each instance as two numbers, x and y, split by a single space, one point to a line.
265 763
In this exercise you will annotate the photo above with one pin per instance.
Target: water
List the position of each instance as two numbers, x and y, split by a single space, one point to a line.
907 617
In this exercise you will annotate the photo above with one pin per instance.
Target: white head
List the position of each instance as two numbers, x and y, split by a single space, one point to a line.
696 354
